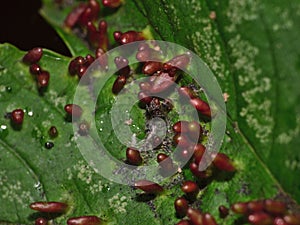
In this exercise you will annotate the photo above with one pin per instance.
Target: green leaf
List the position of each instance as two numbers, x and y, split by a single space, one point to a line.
255 55
252 48
125 18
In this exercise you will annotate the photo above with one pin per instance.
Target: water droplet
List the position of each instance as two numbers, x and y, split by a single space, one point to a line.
106 189
30 113
49 145
100 129
3 131
101 122
8 89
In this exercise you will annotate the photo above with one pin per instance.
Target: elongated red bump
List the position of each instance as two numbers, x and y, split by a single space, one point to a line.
166 164
101 57
95 9
88 60
33 56
179 62
144 55
183 222
274 207
183 155
208 219
121 62
73 110
144 86
260 218
92 33
75 64
162 83
201 106
191 189
144 97
199 174
292 219
117 35
181 140
103 41
35 69
133 157
181 127
147 54
240 208
53 132
280 221
74 15
194 131
186 92
86 16
41 221
49 207
122 66
81 71
17 116
119 84
161 157
199 151
112 3
223 162
181 206
151 67
130 36
149 186
255 206
43 79
195 216
223 211
84 220
102 27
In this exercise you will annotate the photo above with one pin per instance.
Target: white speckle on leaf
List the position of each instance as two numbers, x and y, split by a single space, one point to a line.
11 107
285 22
292 164
86 174
240 11
118 203
288 136
3 71
12 190
171 9
46 123
209 49
58 101
258 109
2 88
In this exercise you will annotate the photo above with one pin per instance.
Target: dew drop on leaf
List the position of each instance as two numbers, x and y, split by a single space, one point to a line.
3 131
8 89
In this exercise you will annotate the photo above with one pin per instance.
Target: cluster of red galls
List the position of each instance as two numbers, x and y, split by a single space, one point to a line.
50 209
162 77
32 58
264 212
84 16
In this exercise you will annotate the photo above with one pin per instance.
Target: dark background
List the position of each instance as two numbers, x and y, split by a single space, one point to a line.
22 26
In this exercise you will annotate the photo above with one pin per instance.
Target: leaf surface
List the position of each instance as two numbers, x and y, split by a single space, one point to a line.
251 47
